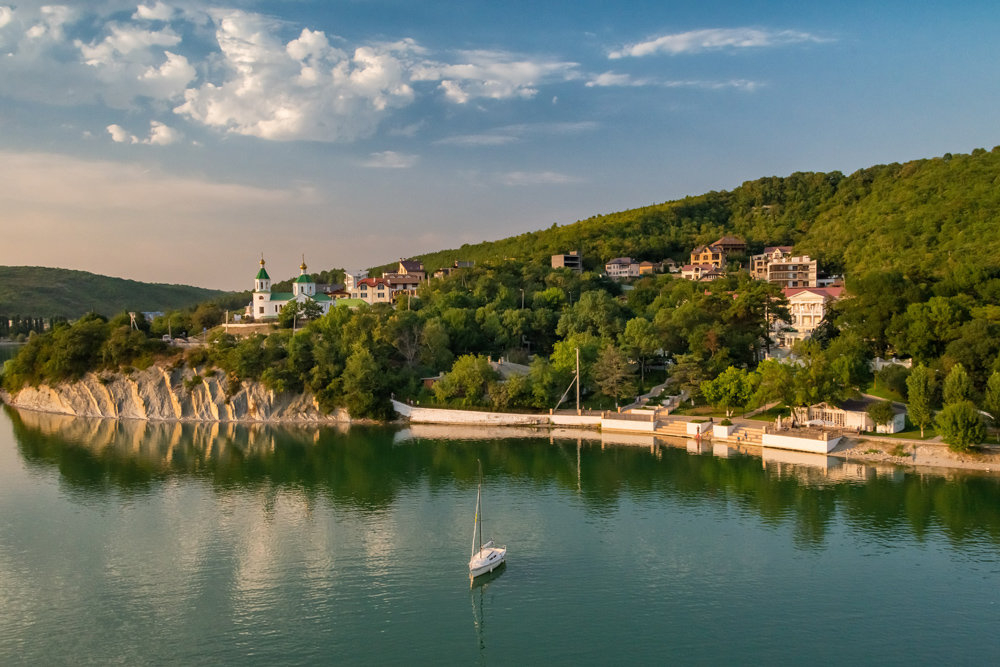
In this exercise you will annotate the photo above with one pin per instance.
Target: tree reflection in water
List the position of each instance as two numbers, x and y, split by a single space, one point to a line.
364 468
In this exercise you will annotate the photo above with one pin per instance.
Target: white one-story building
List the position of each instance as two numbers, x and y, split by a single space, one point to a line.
266 305
851 414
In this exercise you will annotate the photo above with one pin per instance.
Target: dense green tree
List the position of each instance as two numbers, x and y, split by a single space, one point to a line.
961 425
613 374
732 388
957 385
640 342
881 413
467 381
991 399
364 393
920 394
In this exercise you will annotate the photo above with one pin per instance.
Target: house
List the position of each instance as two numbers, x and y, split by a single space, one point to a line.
266 305
670 266
648 268
777 265
851 414
372 290
572 260
807 307
448 270
705 254
731 245
621 268
696 271
411 267
351 279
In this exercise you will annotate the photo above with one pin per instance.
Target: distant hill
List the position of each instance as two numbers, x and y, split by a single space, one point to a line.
925 217
43 292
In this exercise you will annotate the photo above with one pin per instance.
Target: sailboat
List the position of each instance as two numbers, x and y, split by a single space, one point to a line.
485 557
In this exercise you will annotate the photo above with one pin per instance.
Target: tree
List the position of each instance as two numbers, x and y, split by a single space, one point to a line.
732 388
613 374
776 383
991 399
881 413
363 385
957 386
639 340
920 394
468 380
961 426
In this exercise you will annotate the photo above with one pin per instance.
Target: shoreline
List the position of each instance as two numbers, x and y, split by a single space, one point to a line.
920 456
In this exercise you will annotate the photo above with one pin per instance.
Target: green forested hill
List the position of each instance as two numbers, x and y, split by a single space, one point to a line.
922 217
44 292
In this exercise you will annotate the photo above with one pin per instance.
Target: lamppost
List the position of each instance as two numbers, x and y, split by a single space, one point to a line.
522 298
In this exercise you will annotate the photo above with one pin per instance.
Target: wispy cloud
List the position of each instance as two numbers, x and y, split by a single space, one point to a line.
715 39
526 178
493 75
611 79
390 160
510 134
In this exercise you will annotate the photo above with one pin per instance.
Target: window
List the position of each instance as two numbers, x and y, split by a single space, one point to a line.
262 310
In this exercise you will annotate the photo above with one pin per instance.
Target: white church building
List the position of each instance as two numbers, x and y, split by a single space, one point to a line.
266 305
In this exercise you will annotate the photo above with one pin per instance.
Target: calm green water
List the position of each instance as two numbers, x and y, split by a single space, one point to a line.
147 544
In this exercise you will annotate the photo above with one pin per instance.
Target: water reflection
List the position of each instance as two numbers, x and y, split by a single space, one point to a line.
367 468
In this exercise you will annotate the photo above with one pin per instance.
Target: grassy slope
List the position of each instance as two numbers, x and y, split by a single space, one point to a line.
925 216
44 292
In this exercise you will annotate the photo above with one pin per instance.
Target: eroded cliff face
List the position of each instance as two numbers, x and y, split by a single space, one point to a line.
164 394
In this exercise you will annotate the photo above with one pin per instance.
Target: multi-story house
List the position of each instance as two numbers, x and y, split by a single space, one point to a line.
709 254
621 268
777 265
571 260
697 272
372 290
807 307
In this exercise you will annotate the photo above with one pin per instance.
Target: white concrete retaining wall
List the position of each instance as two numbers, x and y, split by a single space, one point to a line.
799 444
697 428
719 431
628 425
575 420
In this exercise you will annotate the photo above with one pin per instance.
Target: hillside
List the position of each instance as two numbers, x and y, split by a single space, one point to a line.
44 292
921 217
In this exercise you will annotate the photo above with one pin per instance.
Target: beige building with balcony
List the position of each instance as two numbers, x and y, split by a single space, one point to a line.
807 307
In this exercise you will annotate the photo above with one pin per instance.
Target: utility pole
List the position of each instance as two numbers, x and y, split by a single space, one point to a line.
577 380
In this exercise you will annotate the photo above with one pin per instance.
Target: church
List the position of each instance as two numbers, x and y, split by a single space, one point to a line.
266 305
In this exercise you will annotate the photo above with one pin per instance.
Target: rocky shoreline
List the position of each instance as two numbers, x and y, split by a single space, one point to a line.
171 394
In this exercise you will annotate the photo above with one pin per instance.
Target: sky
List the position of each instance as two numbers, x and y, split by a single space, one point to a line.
176 141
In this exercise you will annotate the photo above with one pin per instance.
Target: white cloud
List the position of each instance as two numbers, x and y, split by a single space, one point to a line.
714 39
6 15
157 12
120 136
159 135
608 79
390 160
170 78
125 41
493 75
301 90
522 178
162 135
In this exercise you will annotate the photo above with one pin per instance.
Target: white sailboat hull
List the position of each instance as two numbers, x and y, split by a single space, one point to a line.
487 559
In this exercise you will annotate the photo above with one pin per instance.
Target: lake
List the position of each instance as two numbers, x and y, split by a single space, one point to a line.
132 543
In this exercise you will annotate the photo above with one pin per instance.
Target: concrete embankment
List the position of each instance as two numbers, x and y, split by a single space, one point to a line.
165 394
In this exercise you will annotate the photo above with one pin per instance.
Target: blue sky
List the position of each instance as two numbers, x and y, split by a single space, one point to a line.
174 141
